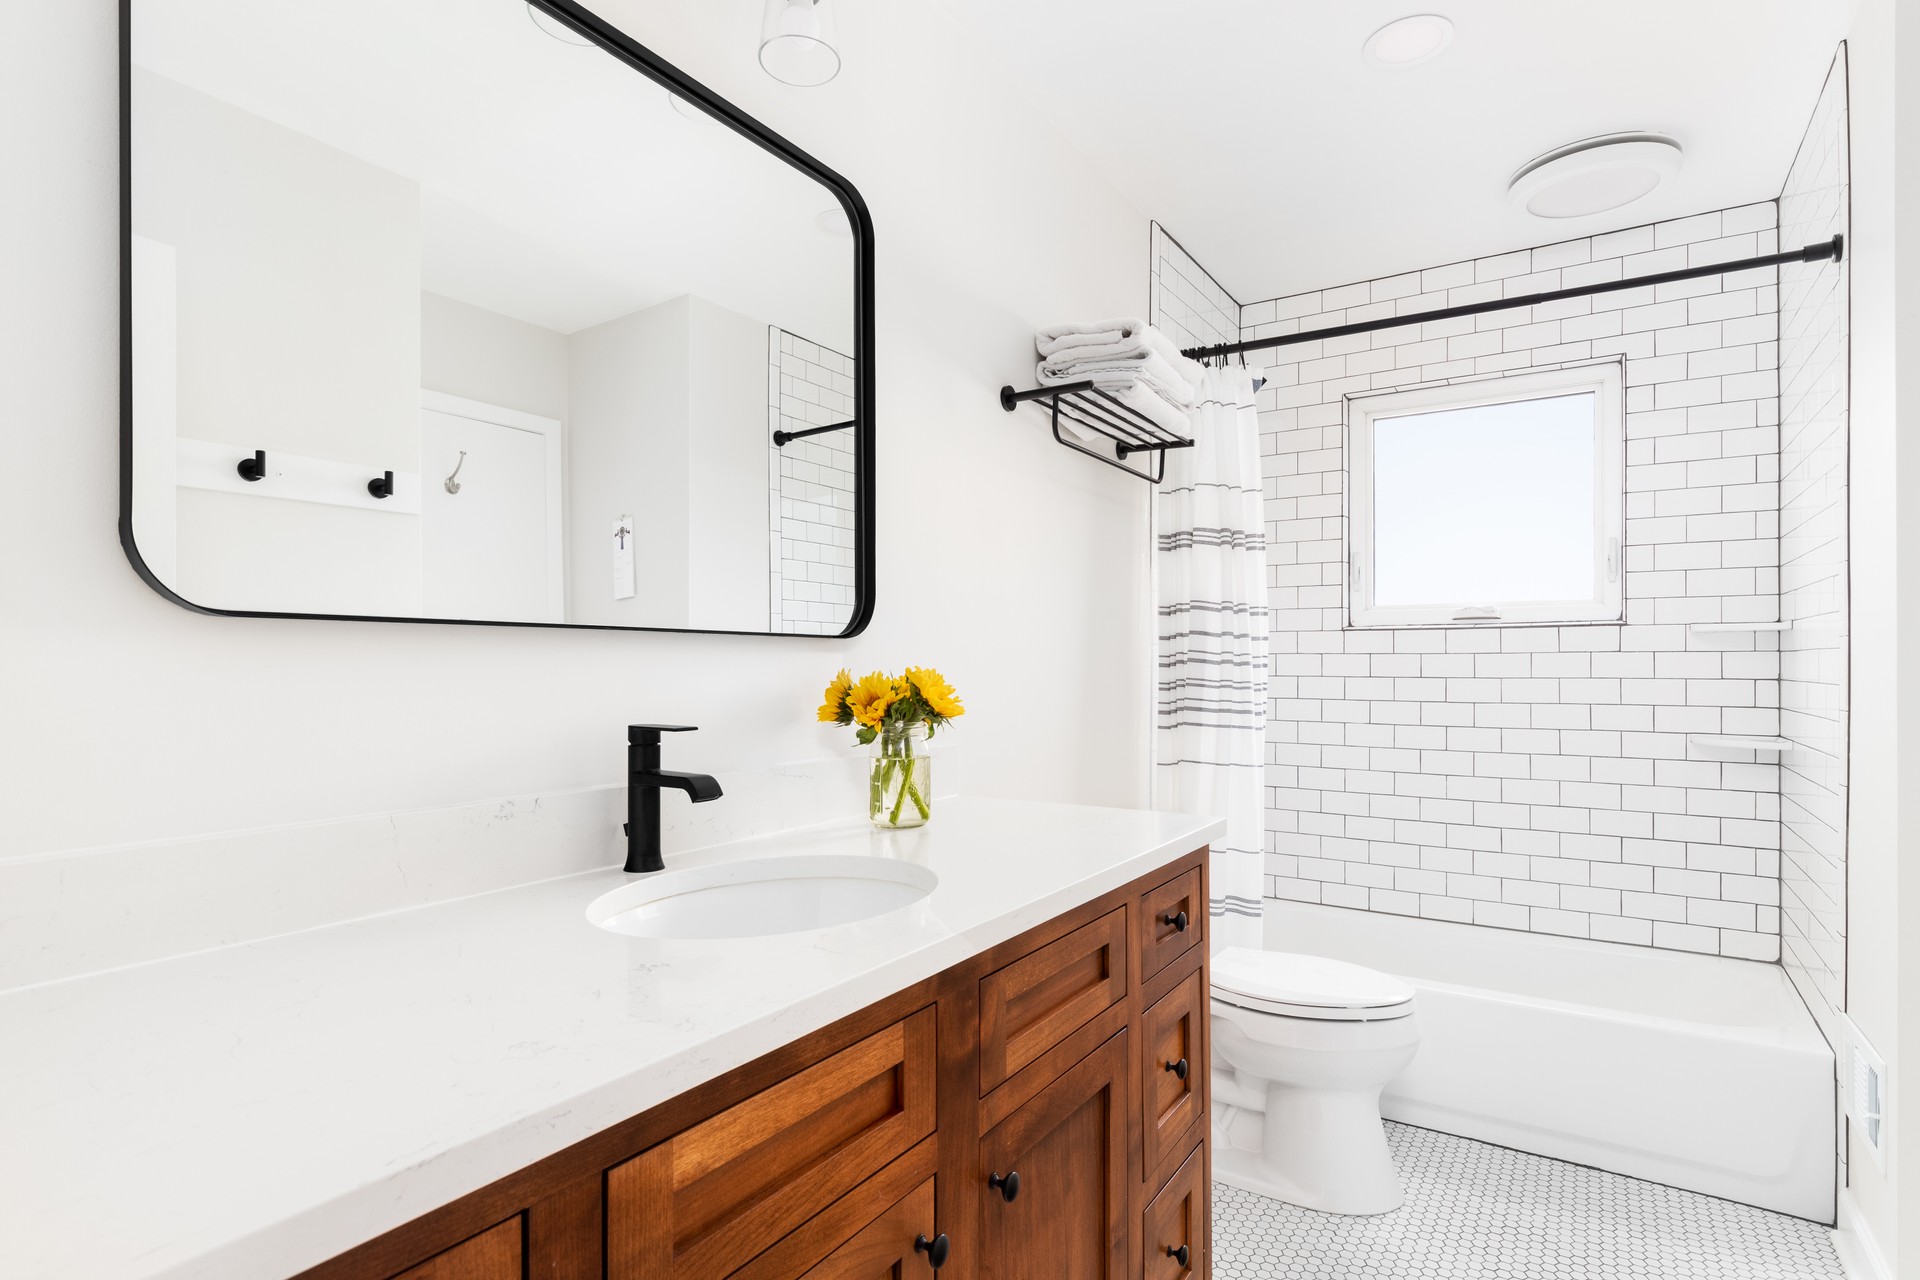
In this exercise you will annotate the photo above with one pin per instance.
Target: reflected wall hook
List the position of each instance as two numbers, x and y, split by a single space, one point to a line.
453 486
254 468
382 486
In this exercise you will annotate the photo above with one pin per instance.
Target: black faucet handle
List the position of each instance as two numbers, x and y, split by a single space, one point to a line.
644 735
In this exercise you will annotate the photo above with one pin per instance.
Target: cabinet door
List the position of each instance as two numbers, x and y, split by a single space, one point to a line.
498 1253
1176 1230
1173 1073
1068 1148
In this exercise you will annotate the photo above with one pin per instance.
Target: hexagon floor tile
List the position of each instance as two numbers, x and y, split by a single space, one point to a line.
1478 1212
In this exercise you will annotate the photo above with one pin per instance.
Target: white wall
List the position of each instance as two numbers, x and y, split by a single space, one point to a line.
627 455
1813 567
727 464
289 257
1883 969
477 354
128 718
1542 778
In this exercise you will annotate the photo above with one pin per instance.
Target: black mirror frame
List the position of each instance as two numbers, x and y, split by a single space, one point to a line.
617 43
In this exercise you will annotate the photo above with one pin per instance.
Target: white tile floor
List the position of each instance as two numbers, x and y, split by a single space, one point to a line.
1475 1211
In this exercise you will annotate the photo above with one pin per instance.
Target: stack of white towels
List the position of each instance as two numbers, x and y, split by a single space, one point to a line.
1129 360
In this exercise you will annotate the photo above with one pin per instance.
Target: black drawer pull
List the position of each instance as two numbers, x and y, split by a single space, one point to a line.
936 1249
1180 1255
1178 919
1009 1186
1179 1069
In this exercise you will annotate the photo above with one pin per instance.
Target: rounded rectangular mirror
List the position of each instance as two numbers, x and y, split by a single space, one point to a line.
476 311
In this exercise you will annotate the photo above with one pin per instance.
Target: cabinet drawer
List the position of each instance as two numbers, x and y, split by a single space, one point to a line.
885 1248
498 1253
1172 919
702 1203
1173 1072
1037 1001
1177 1219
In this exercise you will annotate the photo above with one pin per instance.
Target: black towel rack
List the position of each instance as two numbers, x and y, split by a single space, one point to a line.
1083 404
780 438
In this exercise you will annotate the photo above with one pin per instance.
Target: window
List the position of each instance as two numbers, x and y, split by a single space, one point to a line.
1496 501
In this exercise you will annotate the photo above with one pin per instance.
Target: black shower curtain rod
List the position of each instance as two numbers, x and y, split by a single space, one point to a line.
1826 251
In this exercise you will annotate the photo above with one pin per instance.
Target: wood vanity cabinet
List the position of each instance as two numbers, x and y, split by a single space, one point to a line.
1038 1112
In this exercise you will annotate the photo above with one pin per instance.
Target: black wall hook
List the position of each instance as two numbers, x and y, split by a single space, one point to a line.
382 486
254 468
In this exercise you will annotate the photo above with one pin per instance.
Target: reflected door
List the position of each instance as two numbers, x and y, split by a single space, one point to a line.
490 516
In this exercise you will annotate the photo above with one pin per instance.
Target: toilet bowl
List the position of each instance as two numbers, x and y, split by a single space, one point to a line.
1302 1046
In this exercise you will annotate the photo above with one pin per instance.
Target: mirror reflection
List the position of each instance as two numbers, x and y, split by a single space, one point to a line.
439 310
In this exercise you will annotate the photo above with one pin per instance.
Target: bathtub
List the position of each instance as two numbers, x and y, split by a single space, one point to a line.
1694 1071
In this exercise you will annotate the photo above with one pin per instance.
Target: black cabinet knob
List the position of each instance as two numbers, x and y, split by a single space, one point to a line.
936 1249
1178 919
1179 1069
1008 1186
1180 1254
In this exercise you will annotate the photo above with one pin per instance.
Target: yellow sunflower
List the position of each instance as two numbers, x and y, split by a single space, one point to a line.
936 692
869 699
835 704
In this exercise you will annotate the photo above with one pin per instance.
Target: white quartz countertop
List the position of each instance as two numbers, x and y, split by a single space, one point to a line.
254 1110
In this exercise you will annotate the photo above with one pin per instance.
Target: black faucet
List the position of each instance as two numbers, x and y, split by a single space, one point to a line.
645 777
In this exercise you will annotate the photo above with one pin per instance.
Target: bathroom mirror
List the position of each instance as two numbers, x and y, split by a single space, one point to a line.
476 311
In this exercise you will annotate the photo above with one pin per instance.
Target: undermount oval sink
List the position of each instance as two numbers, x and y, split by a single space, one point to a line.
761 897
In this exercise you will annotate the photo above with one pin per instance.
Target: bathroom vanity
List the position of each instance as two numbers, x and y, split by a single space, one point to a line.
1009 1073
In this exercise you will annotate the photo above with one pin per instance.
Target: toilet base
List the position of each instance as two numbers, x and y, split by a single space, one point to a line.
1316 1148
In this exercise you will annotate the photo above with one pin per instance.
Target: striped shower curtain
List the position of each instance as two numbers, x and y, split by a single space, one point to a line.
1210 735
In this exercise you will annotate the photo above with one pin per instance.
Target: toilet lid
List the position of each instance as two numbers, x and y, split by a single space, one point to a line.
1307 986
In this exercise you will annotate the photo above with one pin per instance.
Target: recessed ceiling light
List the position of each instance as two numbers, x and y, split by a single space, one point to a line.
684 108
833 222
1408 42
557 29
1595 175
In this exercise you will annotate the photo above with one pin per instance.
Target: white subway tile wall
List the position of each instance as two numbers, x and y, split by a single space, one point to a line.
810 487
1183 301
1541 778
1813 566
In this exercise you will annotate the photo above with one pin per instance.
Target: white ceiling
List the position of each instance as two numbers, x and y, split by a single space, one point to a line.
1255 132
557 185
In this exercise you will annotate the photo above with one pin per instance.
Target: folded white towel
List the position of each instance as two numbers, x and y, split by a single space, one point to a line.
1145 366
1110 344
1054 335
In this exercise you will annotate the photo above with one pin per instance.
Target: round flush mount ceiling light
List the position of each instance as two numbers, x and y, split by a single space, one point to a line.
557 29
1595 175
797 42
1408 42
833 222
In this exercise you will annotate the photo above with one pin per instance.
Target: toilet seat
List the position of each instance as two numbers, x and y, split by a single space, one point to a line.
1289 985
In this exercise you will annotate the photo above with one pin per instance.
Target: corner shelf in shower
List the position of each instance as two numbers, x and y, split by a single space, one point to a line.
1739 742
1083 405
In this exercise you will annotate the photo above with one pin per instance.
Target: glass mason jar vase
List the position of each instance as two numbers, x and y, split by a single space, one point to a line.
900 786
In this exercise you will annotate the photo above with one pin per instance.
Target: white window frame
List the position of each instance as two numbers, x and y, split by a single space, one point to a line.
1607 604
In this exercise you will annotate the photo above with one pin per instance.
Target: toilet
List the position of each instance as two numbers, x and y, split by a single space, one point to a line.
1302 1046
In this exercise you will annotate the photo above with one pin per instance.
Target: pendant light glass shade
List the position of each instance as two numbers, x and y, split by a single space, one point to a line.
797 42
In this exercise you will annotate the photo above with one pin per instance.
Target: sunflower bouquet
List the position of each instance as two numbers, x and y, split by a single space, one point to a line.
895 716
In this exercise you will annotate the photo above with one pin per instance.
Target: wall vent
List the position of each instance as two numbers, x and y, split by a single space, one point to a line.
1867 1094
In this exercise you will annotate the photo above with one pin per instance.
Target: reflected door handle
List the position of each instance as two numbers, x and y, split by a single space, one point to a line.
1009 1186
381 486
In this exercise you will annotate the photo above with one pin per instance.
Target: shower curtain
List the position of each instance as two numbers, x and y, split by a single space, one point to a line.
1210 747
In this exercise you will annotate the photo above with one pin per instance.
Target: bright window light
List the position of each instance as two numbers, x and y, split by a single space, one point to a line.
1488 502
